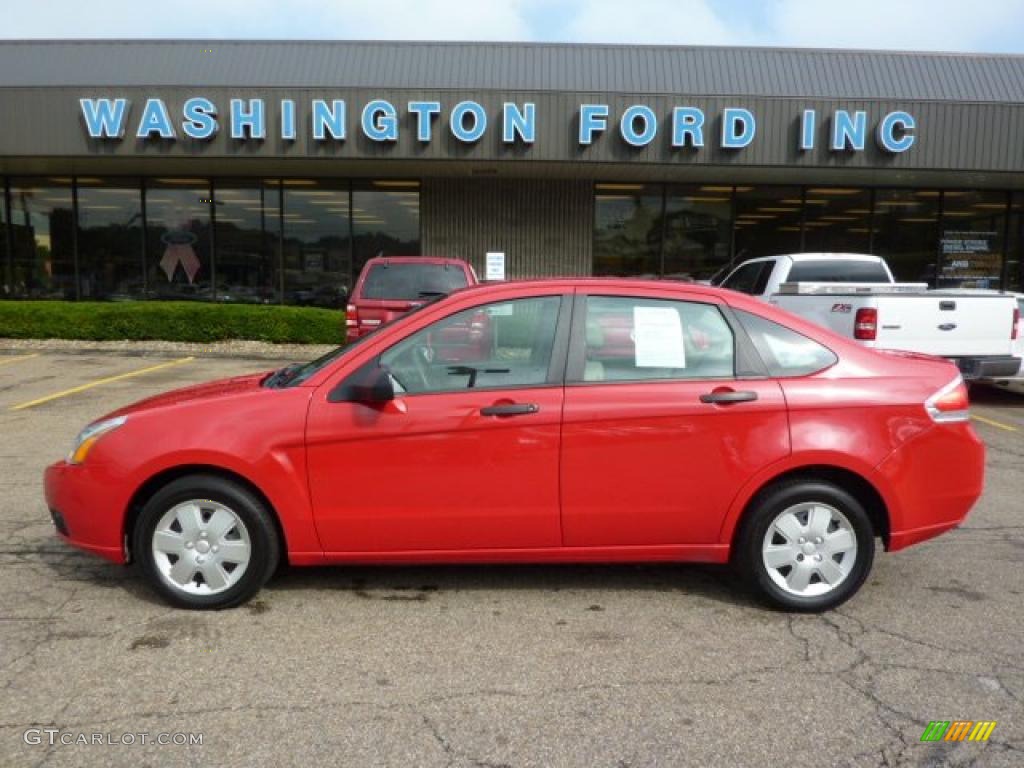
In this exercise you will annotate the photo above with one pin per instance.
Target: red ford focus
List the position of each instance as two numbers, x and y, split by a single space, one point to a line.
610 420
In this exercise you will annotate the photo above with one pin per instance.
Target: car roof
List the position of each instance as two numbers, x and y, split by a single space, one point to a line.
417 260
624 283
825 255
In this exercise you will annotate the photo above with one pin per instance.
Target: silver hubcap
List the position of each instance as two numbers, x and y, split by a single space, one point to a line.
809 549
201 547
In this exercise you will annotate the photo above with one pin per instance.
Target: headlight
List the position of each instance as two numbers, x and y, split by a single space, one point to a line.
88 437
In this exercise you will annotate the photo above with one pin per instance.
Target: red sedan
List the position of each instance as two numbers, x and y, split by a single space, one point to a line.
723 431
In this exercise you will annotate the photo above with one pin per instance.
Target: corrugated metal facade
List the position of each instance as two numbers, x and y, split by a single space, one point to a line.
706 71
543 227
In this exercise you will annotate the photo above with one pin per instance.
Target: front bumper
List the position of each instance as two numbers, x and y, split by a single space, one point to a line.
84 509
935 479
988 367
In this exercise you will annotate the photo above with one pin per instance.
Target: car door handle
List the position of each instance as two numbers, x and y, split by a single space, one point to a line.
726 396
509 409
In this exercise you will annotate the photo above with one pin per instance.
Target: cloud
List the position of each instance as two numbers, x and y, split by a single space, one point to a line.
268 19
668 22
992 25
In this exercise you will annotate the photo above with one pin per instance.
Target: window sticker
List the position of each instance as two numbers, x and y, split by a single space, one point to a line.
658 338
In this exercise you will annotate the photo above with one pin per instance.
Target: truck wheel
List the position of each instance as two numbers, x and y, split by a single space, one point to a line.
205 542
805 545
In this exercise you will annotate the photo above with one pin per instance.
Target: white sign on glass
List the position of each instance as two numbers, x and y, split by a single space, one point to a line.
658 338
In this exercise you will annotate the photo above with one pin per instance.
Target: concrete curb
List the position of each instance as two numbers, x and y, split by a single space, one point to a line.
255 350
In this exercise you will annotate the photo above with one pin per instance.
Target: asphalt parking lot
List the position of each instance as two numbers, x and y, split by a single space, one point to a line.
492 666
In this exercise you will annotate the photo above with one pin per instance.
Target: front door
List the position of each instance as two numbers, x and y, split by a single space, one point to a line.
659 431
466 456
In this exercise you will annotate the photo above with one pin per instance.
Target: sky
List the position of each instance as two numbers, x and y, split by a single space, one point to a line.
991 26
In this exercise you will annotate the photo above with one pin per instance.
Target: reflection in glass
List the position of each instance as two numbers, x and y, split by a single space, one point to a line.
110 255
697 231
178 239
627 230
41 220
906 225
767 222
1015 248
973 226
316 243
247 230
385 221
837 220
7 277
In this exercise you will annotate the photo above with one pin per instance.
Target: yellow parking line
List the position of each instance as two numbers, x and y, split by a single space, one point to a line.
99 382
993 423
16 358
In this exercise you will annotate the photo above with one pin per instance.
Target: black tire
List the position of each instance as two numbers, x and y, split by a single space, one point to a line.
265 547
748 558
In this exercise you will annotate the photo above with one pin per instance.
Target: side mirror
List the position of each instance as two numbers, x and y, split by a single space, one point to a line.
370 385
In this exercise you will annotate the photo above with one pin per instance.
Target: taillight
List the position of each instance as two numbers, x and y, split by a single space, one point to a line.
351 316
865 324
950 403
1016 324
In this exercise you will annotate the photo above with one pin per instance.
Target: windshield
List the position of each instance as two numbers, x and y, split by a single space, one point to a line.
297 373
408 282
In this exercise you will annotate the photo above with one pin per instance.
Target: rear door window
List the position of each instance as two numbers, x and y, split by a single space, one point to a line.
838 272
641 339
412 282
750 278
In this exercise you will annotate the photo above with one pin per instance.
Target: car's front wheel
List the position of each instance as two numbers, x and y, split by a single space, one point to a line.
206 542
805 545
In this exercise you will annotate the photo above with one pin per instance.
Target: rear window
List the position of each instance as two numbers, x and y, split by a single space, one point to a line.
785 352
411 282
750 278
838 272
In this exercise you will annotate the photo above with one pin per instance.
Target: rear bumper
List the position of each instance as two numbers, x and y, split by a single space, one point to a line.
988 367
934 479
82 509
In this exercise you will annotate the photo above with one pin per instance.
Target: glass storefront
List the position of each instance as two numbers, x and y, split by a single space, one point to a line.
767 221
304 241
252 241
317 243
1013 269
950 238
178 239
837 220
697 231
246 216
972 239
42 239
111 251
628 221
385 221
906 223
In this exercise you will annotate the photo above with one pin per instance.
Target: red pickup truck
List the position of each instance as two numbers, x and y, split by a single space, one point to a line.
389 286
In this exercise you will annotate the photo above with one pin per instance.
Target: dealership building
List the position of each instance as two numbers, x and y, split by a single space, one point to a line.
270 172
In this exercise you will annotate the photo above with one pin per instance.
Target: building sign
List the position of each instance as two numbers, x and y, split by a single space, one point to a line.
379 120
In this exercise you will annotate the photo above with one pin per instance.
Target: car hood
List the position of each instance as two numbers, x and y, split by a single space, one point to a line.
208 391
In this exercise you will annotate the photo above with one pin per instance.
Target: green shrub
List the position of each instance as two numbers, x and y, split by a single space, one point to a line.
170 321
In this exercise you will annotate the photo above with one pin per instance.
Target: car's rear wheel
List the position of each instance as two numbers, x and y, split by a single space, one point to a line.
206 542
805 545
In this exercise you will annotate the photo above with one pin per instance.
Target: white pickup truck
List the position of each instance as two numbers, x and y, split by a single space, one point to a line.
855 296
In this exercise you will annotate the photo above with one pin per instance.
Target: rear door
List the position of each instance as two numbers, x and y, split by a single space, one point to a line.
666 415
